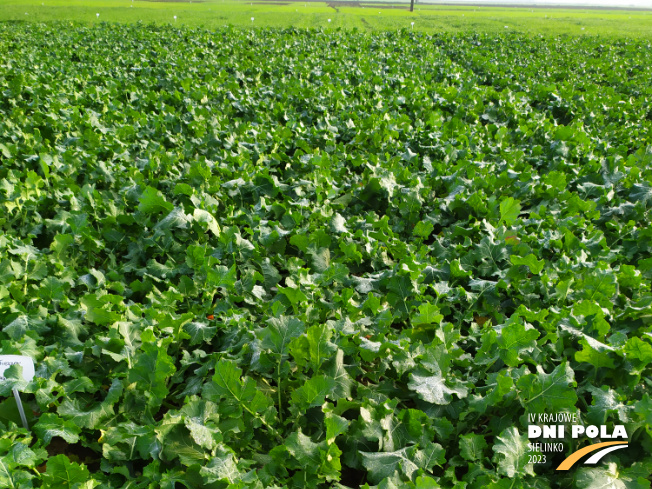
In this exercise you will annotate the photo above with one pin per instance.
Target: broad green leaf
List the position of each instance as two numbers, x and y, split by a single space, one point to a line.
221 468
428 314
509 210
335 426
207 218
406 460
86 416
152 201
511 454
199 332
472 446
638 349
313 392
516 340
50 425
303 449
542 392
279 332
227 384
435 389
530 261
152 369
611 477
177 443
320 346
64 474
98 310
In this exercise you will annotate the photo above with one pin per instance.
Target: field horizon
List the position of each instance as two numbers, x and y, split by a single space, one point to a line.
365 16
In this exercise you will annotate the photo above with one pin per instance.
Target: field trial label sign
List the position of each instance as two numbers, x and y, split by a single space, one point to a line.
27 363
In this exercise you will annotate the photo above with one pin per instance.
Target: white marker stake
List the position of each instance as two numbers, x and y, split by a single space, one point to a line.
252 20
97 15
19 403
175 18
329 20
27 363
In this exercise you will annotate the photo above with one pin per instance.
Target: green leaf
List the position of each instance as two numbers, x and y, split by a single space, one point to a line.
83 416
472 446
598 357
639 349
509 210
199 332
152 369
644 408
98 310
51 289
335 369
530 261
303 449
5 151
208 219
50 425
542 392
335 426
610 477
60 245
313 392
319 344
62 473
17 328
294 295
177 443
434 388
511 454
424 482
406 460
152 201
423 229
279 332
227 385
221 468
516 340
221 276
176 219
428 314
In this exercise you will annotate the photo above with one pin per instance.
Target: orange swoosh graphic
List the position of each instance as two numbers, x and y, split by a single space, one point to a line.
575 456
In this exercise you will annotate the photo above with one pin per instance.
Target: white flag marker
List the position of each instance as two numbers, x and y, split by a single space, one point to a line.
27 363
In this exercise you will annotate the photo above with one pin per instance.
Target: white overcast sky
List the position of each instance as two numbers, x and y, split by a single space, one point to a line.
597 3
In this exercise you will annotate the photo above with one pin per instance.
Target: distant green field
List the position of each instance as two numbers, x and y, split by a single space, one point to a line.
371 17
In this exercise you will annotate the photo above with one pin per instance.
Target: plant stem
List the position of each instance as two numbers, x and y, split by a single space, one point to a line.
278 387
